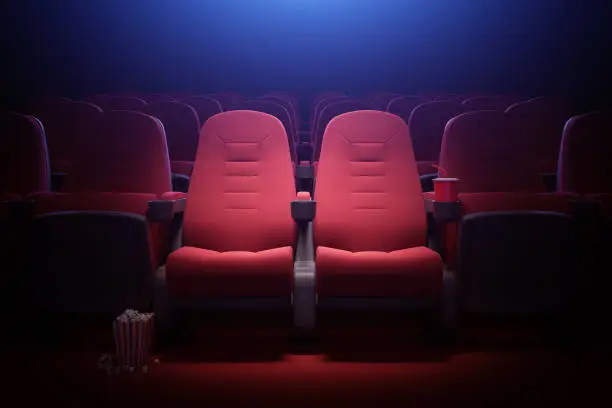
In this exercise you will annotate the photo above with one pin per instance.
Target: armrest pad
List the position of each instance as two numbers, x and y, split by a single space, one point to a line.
303 210
303 172
585 209
164 210
19 209
443 211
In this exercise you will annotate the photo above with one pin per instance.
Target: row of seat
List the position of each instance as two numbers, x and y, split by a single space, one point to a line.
238 236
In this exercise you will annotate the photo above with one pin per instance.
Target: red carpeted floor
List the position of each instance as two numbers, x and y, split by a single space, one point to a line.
375 369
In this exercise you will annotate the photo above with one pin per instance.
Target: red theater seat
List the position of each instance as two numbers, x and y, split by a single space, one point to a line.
68 126
182 128
380 100
482 150
584 161
492 102
288 102
403 106
320 102
279 112
541 121
226 99
329 111
204 106
238 232
514 245
155 98
130 103
426 123
96 245
24 162
370 229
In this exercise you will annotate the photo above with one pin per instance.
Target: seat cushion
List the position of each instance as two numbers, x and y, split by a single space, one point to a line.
194 272
181 167
413 272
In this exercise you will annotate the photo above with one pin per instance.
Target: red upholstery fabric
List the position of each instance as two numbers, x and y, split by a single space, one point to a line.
182 167
69 127
426 124
585 166
24 161
412 272
281 113
182 128
125 103
204 106
369 199
330 111
129 155
238 230
402 106
491 102
481 150
540 123
202 272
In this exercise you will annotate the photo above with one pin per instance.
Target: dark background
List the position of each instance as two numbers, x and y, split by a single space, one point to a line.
74 47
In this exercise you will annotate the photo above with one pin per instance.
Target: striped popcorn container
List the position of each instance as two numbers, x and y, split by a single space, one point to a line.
133 333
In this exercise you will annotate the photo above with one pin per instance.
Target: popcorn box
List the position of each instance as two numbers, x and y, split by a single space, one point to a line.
133 332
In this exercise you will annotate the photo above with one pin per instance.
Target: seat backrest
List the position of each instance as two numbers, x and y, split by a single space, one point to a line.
319 104
368 190
181 125
241 186
426 124
24 161
480 148
204 106
154 98
127 154
226 99
279 112
584 160
68 126
285 102
491 102
541 121
125 103
380 100
100 100
403 106
330 111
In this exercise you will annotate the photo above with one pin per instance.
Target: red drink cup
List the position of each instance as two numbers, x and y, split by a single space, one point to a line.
445 189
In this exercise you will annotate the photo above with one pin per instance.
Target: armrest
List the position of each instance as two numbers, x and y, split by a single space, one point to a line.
304 295
427 181
19 209
303 209
442 211
180 182
583 209
304 171
165 209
